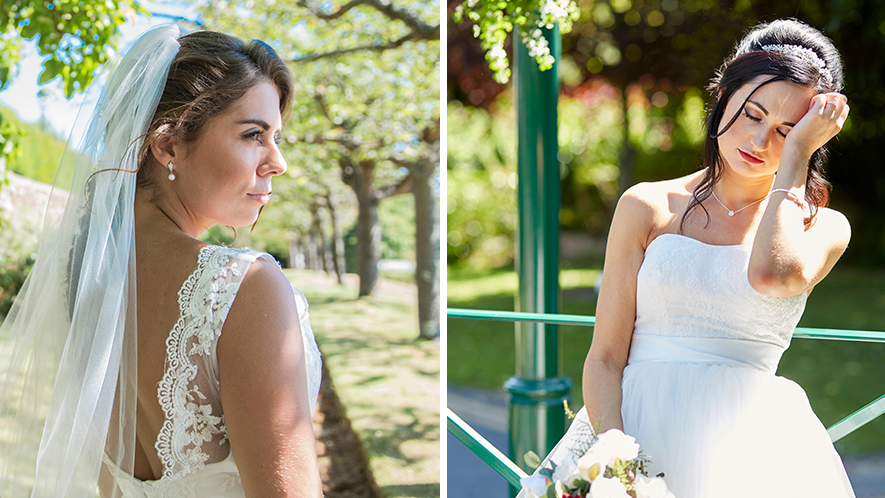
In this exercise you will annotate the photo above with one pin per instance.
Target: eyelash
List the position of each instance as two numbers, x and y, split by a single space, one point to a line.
759 120
257 133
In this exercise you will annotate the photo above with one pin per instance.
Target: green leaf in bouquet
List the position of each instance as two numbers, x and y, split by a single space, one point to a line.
551 491
547 472
581 486
532 459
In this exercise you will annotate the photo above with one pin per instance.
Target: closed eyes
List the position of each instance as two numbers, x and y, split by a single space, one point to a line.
759 120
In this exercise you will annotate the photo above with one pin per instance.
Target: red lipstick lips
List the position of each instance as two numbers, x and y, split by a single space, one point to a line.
750 158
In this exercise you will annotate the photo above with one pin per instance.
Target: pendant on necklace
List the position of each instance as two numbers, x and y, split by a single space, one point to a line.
731 213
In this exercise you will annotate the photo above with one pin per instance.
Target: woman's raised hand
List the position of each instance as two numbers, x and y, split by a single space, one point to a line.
826 114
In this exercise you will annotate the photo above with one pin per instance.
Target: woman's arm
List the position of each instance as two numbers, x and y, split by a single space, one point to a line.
616 309
786 258
264 389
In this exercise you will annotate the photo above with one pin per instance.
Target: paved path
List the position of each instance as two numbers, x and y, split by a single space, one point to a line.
486 411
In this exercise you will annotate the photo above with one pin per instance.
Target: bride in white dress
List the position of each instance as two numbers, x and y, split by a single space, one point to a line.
213 396
706 277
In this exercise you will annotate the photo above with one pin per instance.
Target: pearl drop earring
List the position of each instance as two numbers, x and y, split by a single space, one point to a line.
171 174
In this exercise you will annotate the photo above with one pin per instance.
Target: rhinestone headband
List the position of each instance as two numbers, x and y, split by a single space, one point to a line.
805 53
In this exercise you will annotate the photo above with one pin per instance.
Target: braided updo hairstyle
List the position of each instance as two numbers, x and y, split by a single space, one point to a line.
783 50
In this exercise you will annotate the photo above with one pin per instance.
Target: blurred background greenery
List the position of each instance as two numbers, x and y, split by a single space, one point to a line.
632 102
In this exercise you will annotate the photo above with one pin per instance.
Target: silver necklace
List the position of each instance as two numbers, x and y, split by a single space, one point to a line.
732 212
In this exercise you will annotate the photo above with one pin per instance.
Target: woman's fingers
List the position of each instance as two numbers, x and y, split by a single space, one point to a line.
842 117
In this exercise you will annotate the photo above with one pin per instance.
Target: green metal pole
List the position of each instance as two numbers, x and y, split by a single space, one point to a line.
537 391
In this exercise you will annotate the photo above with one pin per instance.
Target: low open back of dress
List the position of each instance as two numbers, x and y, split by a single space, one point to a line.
192 443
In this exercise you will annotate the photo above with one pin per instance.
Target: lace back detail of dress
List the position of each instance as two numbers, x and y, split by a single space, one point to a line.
193 433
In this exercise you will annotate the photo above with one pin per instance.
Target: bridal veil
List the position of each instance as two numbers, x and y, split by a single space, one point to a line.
68 355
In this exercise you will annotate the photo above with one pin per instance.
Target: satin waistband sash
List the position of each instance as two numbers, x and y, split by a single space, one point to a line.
735 352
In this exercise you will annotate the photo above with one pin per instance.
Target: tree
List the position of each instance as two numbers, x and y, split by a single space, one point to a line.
367 87
78 36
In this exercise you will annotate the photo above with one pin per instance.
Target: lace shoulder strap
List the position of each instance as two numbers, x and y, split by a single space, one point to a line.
189 393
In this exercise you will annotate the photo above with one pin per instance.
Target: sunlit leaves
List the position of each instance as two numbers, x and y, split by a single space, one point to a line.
78 36
494 20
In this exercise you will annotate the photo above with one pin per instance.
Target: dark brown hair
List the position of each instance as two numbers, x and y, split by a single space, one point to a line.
210 72
750 61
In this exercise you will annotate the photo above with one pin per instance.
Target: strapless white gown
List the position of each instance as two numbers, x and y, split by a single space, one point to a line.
700 394
193 444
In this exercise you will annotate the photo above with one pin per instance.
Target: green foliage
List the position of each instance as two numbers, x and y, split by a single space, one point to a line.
78 37
12 276
18 251
38 152
481 210
481 199
10 134
494 20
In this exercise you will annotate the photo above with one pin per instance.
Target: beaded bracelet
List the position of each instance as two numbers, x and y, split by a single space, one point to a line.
792 196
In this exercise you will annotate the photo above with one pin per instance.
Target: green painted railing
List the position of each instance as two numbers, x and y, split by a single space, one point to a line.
511 472
484 449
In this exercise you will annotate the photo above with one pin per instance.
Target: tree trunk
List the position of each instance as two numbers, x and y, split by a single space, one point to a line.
322 249
312 264
359 178
426 250
368 244
337 241
368 232
296 256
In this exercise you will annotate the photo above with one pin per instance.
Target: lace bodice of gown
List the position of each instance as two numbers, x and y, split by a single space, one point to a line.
192 443
687 288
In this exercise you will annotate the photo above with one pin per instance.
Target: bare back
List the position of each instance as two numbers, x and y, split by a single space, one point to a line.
163 264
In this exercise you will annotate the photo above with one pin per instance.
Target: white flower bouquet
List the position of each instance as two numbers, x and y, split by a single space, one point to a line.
611 468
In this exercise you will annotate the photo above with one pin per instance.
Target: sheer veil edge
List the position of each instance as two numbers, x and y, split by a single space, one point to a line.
68 346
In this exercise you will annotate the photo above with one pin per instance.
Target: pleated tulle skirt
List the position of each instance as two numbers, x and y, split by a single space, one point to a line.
720 431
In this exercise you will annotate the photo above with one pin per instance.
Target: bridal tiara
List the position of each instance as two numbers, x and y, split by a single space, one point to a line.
805 53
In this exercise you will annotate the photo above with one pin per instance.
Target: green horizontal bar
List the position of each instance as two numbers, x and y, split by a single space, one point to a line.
839 335
484 450
857 419
839 430
513 316
589 321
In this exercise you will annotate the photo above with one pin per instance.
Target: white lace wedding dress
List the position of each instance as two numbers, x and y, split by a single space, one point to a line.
192 443
700 394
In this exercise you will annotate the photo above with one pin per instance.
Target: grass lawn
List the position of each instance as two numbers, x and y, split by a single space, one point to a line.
387 381
838 376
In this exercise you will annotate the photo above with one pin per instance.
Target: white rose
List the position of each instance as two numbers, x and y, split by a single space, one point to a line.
652 488
605 487
535 486
566 472
618 445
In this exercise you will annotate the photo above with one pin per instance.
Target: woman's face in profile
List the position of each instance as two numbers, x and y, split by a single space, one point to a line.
752 146
225 176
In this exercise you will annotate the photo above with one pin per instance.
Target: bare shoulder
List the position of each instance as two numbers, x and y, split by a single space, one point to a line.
650 207
264 388
265 296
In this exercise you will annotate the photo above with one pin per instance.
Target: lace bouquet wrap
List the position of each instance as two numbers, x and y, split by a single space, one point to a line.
584 465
